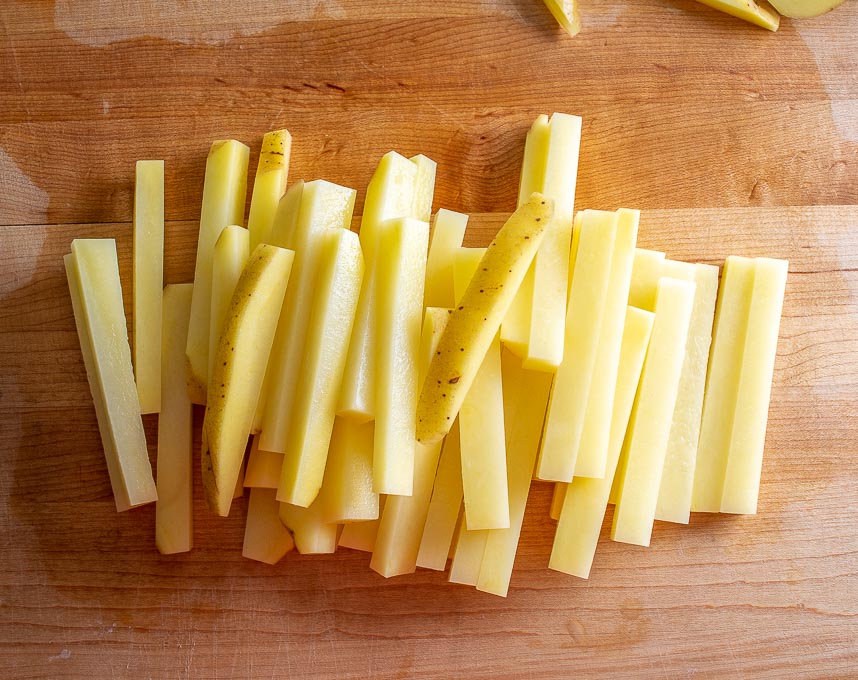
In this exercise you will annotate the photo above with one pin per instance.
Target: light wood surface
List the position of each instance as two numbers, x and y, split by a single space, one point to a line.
713 127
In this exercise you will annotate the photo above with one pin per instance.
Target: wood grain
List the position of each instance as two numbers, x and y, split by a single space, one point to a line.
683 108
83 593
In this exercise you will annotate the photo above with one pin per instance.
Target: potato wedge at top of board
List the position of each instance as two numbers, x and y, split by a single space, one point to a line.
476 319
242 356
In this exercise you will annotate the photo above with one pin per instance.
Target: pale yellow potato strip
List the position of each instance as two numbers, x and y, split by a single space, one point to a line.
322 206
174 521
557 497
584 501
722 383
224 194
567 405
649 430
745 457
93 274
468 555
646 271
448 232
592 458
312 535
566 13
334 295
401 271
263 467
677 481
475 321
265 538
148 281
346 494
525 395
230 255
269 186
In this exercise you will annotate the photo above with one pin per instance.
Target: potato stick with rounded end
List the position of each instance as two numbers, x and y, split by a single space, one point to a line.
468 555
322 206
269 185
481 425
242 355
362 535
646 271
335 293
148 281
424 188
476 320
649 429
584 501
557 496
265 538
401 271
722 383
677 480
566 13
312 535
263 467
174 521
748 436
401 525
564 422
230 255
92 269
346 494
224 194
283 235
444 506
525 397
592 457
448 232
748 10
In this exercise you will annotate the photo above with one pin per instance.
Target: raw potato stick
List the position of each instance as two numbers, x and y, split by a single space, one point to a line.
748 10
468 555
263 467
224 194
476 320
566 13
266 539
346 494
148 281
362 535
269 185
242 355
312 535
448 232
174 520
92 269
230 255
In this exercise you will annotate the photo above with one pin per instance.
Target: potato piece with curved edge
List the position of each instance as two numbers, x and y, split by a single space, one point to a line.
747 10
476 320
312 535
265 537
804 9
242 355
269 185
334 293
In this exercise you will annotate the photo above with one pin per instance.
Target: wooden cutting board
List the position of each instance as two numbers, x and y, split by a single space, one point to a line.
85 594
682 106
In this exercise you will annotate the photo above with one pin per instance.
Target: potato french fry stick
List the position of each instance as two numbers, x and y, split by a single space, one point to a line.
269 185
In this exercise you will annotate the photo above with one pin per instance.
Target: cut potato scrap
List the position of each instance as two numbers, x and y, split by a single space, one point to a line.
399 188
567 405
242 355
651 420
448 232
747 10
174 519
592 457
525 396
148 281
265 537
481 425
677 480
722 383
346 494
224 194
401 524
335 293
745 456
401 272
230 255
312 535
476 320
583 502
468 555
552 170
269 185
322 206
444 507
263 467
92 269
566 14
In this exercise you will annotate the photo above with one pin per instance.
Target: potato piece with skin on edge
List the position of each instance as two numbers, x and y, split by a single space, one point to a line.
565 12
804 9
242 356
269 185
476 320
748 10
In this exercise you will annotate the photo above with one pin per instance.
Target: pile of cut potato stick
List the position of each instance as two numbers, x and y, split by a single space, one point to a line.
398 392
